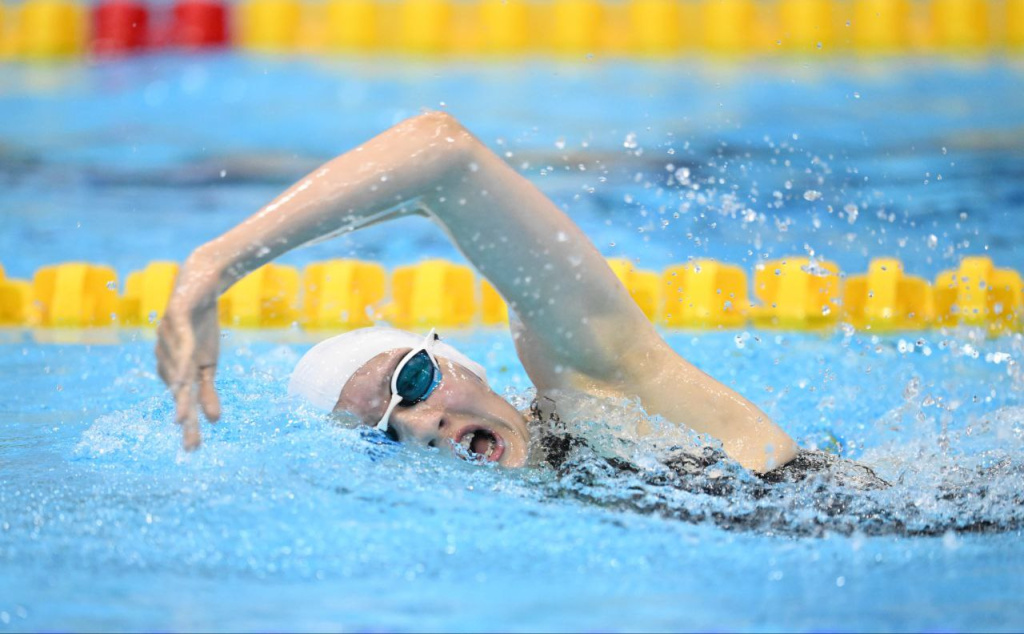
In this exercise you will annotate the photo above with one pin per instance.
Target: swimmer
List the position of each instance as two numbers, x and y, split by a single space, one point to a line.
576 329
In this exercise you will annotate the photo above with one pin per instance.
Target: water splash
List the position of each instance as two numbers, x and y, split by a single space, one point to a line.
614 456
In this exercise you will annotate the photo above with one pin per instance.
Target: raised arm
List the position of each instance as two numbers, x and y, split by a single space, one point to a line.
570 302
429 164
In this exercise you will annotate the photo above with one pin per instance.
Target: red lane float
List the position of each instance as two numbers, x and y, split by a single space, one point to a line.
120 27
200 24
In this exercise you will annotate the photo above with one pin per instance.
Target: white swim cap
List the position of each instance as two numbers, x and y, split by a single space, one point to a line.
323 371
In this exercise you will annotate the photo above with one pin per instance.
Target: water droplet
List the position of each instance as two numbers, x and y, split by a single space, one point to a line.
811 194
741 340
851 212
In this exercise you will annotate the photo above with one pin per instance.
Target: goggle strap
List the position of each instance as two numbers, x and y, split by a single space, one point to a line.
383 424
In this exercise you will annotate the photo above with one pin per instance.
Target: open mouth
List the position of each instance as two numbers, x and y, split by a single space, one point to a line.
477 444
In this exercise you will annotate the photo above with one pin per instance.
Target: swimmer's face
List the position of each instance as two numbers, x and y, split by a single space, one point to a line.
462 410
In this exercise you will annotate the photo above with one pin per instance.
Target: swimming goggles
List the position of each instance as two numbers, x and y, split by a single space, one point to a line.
415 378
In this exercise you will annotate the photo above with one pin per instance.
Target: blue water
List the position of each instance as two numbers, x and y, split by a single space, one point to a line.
921 149
285 521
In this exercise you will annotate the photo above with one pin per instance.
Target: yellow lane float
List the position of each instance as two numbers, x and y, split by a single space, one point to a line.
15 301
705 294
576 26
655 26
269 26
505 26
342 293
50 29
266 298
880 26
1015 24
493 309
76 294
433 293
960 24
146 293
806 25
885 299
351 25
425 25
979 294
796 293
727 26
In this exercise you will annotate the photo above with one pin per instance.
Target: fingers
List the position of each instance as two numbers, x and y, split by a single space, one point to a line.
208 393
186 410
186 351
163 358
186 416
175 364
173 351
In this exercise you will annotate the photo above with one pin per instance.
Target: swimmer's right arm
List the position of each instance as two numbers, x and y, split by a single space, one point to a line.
552 276
428 164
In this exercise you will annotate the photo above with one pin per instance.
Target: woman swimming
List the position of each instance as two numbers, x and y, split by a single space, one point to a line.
576 328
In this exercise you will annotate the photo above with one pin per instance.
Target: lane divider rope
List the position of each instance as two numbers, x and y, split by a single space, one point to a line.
54 29
795 293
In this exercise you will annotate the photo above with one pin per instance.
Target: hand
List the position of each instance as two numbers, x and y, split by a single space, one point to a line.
188 343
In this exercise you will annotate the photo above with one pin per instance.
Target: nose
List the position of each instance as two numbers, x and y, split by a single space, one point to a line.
420 425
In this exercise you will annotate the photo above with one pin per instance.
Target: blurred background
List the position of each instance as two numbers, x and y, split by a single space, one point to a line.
736 129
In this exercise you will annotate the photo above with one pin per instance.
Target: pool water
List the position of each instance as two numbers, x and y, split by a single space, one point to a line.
286 521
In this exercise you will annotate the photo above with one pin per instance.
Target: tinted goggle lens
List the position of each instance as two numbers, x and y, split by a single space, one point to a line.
417 379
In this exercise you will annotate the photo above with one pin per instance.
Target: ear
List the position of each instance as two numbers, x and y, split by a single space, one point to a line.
363 394
361 398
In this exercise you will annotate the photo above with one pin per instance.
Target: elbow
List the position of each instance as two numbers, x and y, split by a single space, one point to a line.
443 133
439 123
